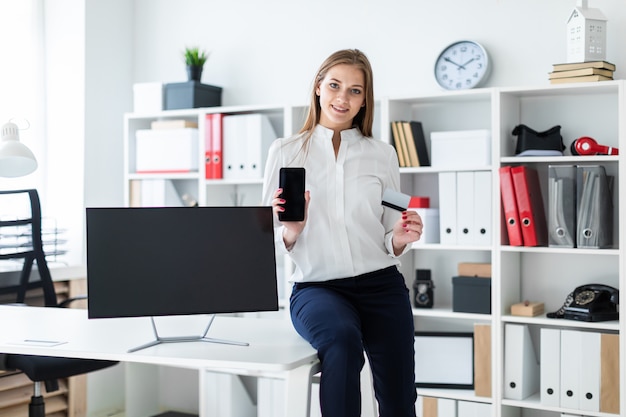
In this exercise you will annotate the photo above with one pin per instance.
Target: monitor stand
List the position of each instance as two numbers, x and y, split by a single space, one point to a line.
158 339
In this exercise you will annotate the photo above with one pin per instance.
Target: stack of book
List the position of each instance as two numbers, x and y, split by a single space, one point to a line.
408 139
578 72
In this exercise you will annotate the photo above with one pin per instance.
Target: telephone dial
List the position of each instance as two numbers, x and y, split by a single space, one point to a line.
591 302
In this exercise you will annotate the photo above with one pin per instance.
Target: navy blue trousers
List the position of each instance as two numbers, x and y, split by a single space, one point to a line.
345 317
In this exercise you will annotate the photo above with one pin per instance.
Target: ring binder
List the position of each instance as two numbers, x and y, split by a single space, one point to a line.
562 206
595 208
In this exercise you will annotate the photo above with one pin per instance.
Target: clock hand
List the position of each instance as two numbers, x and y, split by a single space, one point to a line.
463 66
452 62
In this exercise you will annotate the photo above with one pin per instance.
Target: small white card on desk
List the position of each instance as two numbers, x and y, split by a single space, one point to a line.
37 342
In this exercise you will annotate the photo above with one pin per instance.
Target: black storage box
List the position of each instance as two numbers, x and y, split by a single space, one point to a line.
191 94
471 295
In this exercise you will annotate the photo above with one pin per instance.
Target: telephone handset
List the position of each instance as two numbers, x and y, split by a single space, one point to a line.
591 302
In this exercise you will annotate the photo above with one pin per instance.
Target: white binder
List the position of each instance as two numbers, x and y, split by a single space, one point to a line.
482 208
589 399
260 135
246 141
234 133
550 362
571 361
521 370
447 208
465 196
159 193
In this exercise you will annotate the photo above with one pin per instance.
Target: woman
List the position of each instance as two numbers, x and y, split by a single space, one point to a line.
348 296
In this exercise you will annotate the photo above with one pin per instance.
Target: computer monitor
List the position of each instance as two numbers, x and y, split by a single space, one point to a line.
162 261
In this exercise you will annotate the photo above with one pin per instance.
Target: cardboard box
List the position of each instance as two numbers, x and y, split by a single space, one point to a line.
460 149
471 295
191 94
482 360
475 269
527 309
147 97
166 150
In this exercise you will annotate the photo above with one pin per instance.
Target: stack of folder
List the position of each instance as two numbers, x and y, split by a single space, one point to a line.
213 146
579 370
246 139
523 207
580 207
465 208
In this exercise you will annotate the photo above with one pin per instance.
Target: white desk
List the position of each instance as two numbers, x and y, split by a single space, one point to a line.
275 350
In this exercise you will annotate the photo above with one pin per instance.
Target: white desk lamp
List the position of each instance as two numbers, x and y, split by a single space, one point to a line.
16 160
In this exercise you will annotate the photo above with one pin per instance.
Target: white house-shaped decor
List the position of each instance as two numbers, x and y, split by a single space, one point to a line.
586 34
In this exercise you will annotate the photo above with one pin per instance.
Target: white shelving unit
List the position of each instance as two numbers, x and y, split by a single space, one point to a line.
228 192
518 273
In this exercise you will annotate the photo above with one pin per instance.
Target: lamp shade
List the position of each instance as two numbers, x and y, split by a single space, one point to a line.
16 160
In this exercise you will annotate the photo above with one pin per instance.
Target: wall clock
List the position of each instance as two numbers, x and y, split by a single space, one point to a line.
462 65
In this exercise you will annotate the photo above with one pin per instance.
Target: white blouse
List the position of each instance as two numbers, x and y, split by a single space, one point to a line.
348 231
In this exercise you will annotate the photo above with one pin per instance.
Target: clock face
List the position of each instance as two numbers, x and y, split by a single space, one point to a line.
462 65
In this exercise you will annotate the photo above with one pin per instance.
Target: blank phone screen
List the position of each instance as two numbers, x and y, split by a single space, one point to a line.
292 182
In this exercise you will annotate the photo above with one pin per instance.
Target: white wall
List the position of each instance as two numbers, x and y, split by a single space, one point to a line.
108 73
64 96
267 51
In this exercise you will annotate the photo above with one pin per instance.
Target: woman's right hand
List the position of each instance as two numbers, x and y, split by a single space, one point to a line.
292 229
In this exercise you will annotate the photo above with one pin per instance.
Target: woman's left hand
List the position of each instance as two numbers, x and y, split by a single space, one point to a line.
408 229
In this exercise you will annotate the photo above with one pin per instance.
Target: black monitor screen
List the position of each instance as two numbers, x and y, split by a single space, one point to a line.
180 260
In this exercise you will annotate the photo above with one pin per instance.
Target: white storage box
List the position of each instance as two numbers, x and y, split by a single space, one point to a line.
166 150
472 409
460 149
148 97
430 218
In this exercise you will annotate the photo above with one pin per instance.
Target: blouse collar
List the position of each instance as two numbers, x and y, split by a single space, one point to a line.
349 135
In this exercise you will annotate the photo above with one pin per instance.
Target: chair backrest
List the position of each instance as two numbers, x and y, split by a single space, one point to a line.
26 226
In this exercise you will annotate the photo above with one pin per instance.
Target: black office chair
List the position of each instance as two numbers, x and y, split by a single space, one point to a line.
38 368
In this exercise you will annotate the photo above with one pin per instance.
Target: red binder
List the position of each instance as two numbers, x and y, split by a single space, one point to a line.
208 151
509 206
216 145
530 206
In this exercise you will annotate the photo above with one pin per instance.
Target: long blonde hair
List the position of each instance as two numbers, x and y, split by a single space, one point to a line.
365 117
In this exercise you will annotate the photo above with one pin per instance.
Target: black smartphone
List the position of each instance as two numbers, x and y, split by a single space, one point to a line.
291 180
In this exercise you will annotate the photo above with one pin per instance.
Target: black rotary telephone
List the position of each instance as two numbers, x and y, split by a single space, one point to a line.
591 302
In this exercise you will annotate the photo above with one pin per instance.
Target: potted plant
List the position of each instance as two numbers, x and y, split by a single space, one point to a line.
195 59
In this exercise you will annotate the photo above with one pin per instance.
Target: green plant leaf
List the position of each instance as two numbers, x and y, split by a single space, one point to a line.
194 56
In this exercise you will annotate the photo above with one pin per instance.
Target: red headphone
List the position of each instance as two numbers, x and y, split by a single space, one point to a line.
588 146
